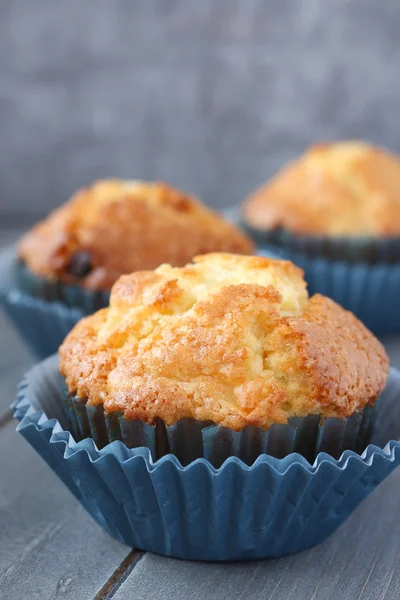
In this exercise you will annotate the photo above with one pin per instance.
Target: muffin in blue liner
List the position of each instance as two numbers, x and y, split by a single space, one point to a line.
274 507
335 212
41 323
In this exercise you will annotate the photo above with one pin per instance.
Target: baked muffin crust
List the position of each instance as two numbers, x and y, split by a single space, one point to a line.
116 227
339 189
230 339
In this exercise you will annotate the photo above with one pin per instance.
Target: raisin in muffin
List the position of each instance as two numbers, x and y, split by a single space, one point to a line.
230 339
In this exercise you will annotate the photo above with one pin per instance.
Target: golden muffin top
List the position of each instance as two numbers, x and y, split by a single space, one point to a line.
231 339
338 189
116 227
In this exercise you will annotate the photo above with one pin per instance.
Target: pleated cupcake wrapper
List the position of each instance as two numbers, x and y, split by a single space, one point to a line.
189 439
72 296
272 508
43 325
368 250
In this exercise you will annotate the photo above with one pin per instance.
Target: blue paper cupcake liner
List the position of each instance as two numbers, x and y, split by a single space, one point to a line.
364 249
43 325
235 512
189 439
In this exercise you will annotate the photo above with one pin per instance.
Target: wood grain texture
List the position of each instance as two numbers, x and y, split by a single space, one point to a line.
212 96
50 547
359 562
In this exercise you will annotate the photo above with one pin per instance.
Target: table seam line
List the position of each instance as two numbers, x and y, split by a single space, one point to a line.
121 573
6 419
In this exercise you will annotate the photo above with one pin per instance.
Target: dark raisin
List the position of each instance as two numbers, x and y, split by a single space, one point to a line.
80 264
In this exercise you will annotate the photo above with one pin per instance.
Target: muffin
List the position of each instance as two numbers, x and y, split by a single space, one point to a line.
231 341
65 266
346 189
116 227
214 508
221 386
338 203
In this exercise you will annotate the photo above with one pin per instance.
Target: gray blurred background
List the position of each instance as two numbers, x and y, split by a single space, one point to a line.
209 95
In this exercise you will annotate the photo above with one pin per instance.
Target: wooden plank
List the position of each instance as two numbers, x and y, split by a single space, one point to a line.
359 562
50 547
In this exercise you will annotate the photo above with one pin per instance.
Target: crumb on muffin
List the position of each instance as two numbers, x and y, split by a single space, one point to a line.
230 339
116 227
335 189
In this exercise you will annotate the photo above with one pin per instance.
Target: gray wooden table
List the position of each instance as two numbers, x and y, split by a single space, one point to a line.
50 548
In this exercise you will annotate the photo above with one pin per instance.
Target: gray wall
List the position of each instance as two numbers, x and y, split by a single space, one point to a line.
211 95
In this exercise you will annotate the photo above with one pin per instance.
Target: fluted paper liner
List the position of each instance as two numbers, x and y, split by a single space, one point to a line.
366 249
189 439
272 508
